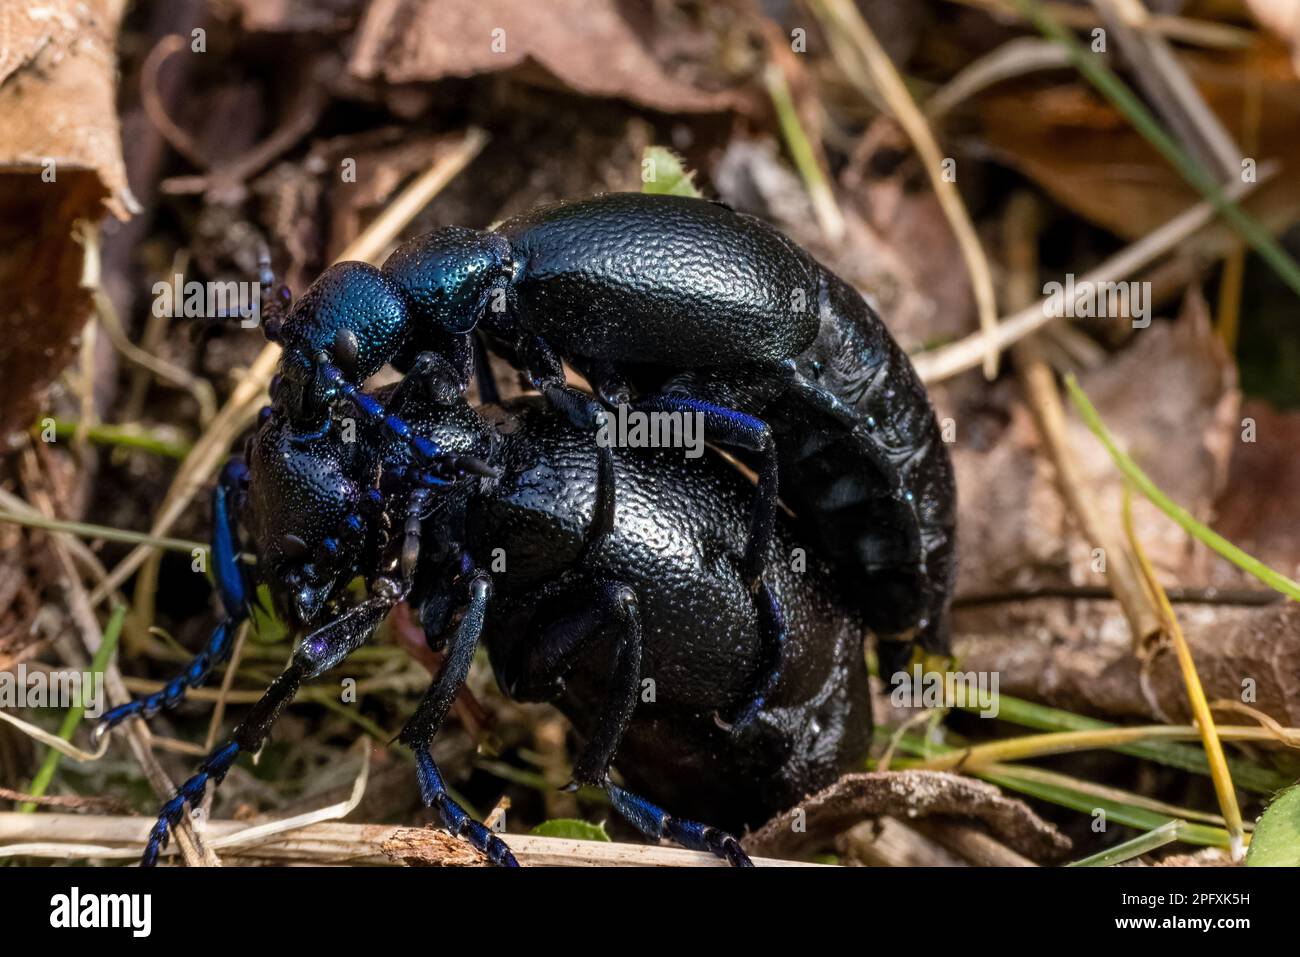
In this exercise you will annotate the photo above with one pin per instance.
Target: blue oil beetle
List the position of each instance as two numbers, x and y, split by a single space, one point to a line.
676 304
642 635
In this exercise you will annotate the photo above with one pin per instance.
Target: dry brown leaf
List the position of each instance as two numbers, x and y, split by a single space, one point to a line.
1170 398
906 795
292 16
60 162
1259 510
1084 153
587 45
1079 657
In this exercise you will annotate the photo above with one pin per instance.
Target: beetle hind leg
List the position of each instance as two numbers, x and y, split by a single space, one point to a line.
653 821
614 614
773 634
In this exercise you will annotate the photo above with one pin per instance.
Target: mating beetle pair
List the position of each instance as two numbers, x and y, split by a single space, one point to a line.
668 304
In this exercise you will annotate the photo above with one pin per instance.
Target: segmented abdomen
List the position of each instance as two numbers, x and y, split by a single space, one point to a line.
864 466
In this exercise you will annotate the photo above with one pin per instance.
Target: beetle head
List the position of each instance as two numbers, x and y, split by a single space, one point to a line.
352 314
303 512
449 275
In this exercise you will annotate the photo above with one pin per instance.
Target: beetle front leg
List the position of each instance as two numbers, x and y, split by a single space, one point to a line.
235 589
273 300
319 651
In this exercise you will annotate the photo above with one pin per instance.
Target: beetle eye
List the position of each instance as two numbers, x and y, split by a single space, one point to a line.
293 547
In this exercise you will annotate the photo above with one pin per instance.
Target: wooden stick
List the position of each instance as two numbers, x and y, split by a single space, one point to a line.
969 352
77 836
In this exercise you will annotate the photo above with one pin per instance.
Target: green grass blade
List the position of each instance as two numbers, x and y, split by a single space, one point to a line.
1115 90
664 173
1142 844
1062 795
1172 754
120 437
1276 841
72 719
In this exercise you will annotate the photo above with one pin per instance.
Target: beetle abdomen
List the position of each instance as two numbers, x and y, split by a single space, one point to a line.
666 280
873 477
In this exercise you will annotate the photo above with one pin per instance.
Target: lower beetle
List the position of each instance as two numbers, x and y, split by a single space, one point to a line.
642 635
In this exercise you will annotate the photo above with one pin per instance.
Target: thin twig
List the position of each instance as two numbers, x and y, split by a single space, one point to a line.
1210 738
1197 32
80 836
954 359
1065 742
104 532
1044 401
1167 84
82 613
1014 58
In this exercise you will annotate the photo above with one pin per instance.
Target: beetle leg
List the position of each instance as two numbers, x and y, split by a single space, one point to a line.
430 375
584 412
537 672
725 426
773 634
424 724
235 589
653 821
318 652
445 466
274 300
548 659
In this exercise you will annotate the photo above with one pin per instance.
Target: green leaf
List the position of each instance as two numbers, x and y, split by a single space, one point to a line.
572 829
664 173
268 629
1276 841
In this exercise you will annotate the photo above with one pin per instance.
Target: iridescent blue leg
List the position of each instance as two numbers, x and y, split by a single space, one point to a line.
434 792
725 426
772 631
653 821
316 653
445 466
424 724
232 585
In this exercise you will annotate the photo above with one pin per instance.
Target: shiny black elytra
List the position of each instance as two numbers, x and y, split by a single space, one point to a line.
670 303
641 638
